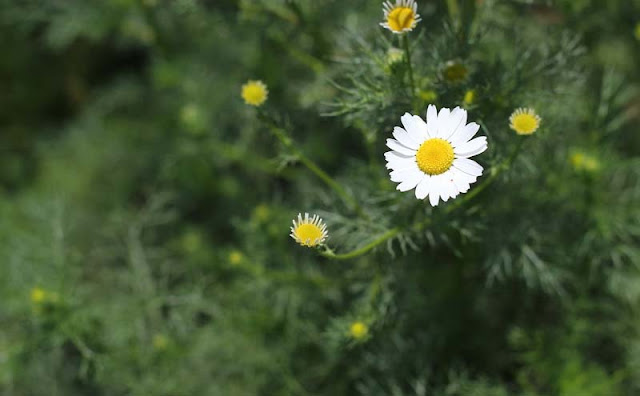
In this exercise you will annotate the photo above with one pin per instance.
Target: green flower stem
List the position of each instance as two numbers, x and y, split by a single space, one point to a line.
421 225
407 50
282 136
359 252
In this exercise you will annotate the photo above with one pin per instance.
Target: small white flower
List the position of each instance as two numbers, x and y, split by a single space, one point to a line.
309 231
400 17
433 156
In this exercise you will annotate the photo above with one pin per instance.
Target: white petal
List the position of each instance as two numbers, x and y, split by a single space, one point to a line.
420 130
422 189
434 196
403 137
432 120
443 118
405 164
458 116
396 146
399 176
409 123
472 147
463 134
410 182
462 179
468 166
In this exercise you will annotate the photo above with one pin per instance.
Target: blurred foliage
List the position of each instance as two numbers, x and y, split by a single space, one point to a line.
144 209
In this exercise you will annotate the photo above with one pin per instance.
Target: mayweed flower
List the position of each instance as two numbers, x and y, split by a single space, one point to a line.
235 257
524 121
469 97
400 17
358 330
428 95
433 156
38 295
455 72
254 93
310 231
583 162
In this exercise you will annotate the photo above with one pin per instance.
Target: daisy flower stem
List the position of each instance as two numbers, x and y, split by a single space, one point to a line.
365 249
281 135
407 50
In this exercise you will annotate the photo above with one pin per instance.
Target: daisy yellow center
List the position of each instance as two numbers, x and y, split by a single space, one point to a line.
525 123
401 18
254 93
308 234
435 156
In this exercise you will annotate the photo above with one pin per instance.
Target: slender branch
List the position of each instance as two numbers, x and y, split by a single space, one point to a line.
359 252
407 50
348 199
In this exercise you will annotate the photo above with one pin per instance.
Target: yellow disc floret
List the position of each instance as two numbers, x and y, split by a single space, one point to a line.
358 330
309 231
254 93
401 18
435 156
524 121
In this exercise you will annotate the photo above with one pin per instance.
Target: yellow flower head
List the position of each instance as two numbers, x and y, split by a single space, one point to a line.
524 121
358 330
469 97
160 342
428 95
309 231
583 162
38 295
235 257
455 72
400 17
254 93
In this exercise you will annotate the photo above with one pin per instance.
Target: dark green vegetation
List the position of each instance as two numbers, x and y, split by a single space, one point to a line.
145 209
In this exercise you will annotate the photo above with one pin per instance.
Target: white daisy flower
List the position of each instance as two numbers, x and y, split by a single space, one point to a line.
433 156
400 17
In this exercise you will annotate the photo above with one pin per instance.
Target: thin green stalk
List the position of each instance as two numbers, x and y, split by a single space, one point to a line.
280 134
420 225
359 252
407 50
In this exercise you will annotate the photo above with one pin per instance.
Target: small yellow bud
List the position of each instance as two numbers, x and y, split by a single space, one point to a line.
235 257
38 295
469 97
358 330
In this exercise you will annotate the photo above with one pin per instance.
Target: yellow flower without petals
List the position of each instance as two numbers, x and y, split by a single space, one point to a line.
358 330
38 295
469 97
524 121
254 93
235 257
583 162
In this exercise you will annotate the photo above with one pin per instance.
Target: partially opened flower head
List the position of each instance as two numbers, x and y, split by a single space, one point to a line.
433 157
254 93
524 121
309 231
400 17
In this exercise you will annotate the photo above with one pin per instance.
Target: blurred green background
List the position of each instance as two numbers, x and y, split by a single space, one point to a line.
144 208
